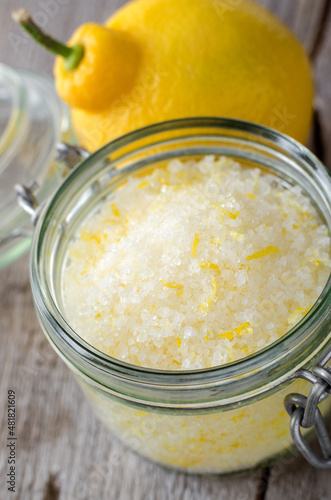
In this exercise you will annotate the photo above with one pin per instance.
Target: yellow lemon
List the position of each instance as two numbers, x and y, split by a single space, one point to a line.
201 58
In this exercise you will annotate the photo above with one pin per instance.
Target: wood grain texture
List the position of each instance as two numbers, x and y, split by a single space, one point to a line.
303 17
322 66
64 453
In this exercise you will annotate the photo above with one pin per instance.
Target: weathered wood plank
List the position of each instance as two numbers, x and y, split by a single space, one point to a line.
64 453
303 17
297 479
322 68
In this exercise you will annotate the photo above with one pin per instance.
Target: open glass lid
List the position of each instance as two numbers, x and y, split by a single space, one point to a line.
32 121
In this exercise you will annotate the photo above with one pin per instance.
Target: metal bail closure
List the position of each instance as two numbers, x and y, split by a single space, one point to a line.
305 413
65 153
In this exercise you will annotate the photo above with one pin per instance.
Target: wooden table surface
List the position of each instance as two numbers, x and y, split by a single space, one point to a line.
63 452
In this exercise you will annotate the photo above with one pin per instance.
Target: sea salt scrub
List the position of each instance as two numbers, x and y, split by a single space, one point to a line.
195 264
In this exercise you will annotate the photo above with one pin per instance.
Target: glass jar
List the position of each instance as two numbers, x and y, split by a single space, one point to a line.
222 419
32 121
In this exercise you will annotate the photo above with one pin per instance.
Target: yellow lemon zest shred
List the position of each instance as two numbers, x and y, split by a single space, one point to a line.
206 304
115 210
209 265
85 236
231 353
178 286
238 236
216 241
243 329
250 195
195 243
244 266
262 253
225 211
231 215
297 314
226 335
142 184
207 336
179 342
281 209
299 208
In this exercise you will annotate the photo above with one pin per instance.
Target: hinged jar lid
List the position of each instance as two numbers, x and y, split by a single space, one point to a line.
32 121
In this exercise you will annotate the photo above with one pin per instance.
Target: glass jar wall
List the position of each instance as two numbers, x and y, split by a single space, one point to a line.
32 121
220 419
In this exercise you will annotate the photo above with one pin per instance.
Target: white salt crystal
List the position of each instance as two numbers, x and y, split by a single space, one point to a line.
200 262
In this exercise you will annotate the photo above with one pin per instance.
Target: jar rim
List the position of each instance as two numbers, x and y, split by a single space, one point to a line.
269 357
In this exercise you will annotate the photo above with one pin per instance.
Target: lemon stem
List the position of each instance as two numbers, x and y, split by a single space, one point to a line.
72 55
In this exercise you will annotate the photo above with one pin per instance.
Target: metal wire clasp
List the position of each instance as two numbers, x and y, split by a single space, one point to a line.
65 153
305 413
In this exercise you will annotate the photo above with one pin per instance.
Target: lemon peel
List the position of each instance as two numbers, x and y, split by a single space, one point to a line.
263 253
206 304
195 244
243 329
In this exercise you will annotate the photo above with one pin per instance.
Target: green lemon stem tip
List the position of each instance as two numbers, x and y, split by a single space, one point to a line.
72 55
